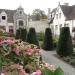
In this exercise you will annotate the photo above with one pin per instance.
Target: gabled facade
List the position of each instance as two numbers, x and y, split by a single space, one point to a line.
64 16
10 20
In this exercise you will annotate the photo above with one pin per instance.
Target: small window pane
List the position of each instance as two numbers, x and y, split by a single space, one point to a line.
56 27
3 17
59 15
20 23
56 16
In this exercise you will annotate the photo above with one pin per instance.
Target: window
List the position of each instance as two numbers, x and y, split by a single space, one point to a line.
60 25
11 29
59 15
20 12
3 17
51 15
66 25
56 16
56 27
20 23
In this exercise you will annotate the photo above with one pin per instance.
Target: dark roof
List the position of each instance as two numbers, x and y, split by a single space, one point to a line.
72 14
10 14
54 10
68 11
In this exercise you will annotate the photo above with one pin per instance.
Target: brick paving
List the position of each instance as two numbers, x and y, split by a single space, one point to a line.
49 57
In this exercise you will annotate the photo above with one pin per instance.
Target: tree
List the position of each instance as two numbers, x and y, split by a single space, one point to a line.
38 14
65 47
48 41
31 37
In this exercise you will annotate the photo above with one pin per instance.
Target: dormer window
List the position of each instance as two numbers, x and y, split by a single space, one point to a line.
20 12
3 17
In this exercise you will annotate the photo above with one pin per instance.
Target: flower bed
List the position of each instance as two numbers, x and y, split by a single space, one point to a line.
21 58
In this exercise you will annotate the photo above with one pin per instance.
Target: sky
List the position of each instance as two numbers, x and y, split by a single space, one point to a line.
30 5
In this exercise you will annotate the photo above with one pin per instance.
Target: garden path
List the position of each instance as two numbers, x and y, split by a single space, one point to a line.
49 57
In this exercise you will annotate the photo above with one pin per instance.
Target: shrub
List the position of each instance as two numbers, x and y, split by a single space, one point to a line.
17 34
48 41
23 34
31 37
65 47
58 71
40 36
55 42
72 62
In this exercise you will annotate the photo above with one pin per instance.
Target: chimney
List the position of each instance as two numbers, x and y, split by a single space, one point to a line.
66 4
48 10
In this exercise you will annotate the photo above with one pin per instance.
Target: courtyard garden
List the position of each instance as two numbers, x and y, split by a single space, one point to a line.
23 56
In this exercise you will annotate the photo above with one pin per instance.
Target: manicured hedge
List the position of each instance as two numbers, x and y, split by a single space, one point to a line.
65 47
31 37
21 34
48 40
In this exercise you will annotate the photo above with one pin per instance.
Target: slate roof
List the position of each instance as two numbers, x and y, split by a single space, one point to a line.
68 11
10 14
54 10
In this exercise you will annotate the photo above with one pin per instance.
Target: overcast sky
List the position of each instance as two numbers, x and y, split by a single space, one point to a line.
29 5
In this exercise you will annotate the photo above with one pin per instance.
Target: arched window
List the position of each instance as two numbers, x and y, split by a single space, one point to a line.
21 23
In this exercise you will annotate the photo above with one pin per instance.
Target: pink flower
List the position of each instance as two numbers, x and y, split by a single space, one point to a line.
29 52
8 41
38 72
22 71
16 50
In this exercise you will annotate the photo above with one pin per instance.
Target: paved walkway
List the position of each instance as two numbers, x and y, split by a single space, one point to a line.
49 57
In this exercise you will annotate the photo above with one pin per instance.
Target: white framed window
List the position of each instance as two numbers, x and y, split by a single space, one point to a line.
56 27
66 25
59 15
60 25
56 16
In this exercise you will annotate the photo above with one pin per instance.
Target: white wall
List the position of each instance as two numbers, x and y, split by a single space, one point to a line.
4 22
59 21
38 25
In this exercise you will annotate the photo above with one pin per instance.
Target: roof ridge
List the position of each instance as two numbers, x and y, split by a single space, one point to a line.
8 9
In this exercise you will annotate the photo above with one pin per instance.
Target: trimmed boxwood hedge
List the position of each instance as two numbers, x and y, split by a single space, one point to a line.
31 37
65 47
48 40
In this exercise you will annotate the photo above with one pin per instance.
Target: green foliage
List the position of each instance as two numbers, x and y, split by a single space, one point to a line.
17 34
55 42
58 71
72 62
31 37
48 41
21 34
38 14
47 72
40 36
65 47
